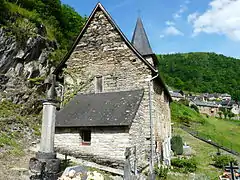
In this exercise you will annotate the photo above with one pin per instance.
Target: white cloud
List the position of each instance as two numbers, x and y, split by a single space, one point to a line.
170 23
176 16
162 36
172 31
183 8
192 17
222 17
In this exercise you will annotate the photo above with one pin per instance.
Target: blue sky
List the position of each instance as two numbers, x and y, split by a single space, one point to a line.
177 25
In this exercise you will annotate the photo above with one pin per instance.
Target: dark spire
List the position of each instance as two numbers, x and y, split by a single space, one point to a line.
140 40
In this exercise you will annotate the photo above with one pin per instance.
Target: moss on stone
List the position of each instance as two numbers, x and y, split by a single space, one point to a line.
37 80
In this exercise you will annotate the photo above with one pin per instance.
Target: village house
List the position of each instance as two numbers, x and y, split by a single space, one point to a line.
177 95
226 97
208 108
115 96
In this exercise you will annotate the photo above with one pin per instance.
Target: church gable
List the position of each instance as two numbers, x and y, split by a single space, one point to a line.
97 23
101 50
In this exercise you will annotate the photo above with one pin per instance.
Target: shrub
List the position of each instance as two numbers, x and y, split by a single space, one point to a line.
161 172
177 145
184 102
193 106
184 165
223 160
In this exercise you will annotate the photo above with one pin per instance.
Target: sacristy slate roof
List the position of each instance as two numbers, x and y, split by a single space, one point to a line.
101 109
140 40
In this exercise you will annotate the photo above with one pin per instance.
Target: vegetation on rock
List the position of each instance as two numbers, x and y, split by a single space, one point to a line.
201 72
52 19
16 129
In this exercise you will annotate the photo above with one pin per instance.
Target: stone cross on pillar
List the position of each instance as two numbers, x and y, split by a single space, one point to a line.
46 165
48 124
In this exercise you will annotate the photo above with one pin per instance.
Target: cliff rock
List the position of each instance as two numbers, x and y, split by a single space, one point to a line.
24 68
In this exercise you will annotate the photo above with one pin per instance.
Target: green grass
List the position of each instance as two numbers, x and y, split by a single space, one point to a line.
34 17
10 143
183 114
10 115
222 131
203 154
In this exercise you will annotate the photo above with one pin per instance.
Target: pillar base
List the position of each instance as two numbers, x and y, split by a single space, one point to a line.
44 155
44 169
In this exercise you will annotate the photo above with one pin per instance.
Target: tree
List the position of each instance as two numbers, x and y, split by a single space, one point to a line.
201 72
177 145
220 114
230 115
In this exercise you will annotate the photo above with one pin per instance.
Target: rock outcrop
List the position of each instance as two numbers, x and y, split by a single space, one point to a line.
23 68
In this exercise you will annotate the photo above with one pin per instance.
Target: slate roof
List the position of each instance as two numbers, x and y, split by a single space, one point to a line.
176 94
140 40
101 109
206 104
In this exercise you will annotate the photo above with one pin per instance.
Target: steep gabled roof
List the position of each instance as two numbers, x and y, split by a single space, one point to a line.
99 7
101 109
140 39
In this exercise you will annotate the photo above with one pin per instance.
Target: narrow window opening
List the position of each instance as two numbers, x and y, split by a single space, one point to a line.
99 84
86 137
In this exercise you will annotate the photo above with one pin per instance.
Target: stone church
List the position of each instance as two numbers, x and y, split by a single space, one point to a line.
115 98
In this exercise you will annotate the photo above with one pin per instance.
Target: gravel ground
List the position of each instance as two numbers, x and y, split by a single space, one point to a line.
15 168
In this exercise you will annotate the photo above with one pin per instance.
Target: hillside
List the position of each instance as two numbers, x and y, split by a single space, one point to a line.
59 23
224 132
34 36
201 72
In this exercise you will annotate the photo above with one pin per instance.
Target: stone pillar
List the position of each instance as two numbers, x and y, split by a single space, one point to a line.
48 128
45 165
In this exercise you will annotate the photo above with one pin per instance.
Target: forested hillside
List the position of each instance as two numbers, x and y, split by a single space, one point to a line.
201 72
58 22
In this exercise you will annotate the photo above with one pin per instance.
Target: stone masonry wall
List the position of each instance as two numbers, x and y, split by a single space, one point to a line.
211 111
107 144
162 121
102 52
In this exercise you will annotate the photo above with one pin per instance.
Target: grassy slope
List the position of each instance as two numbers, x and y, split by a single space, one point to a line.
203 153
14 127
218 130
222 131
